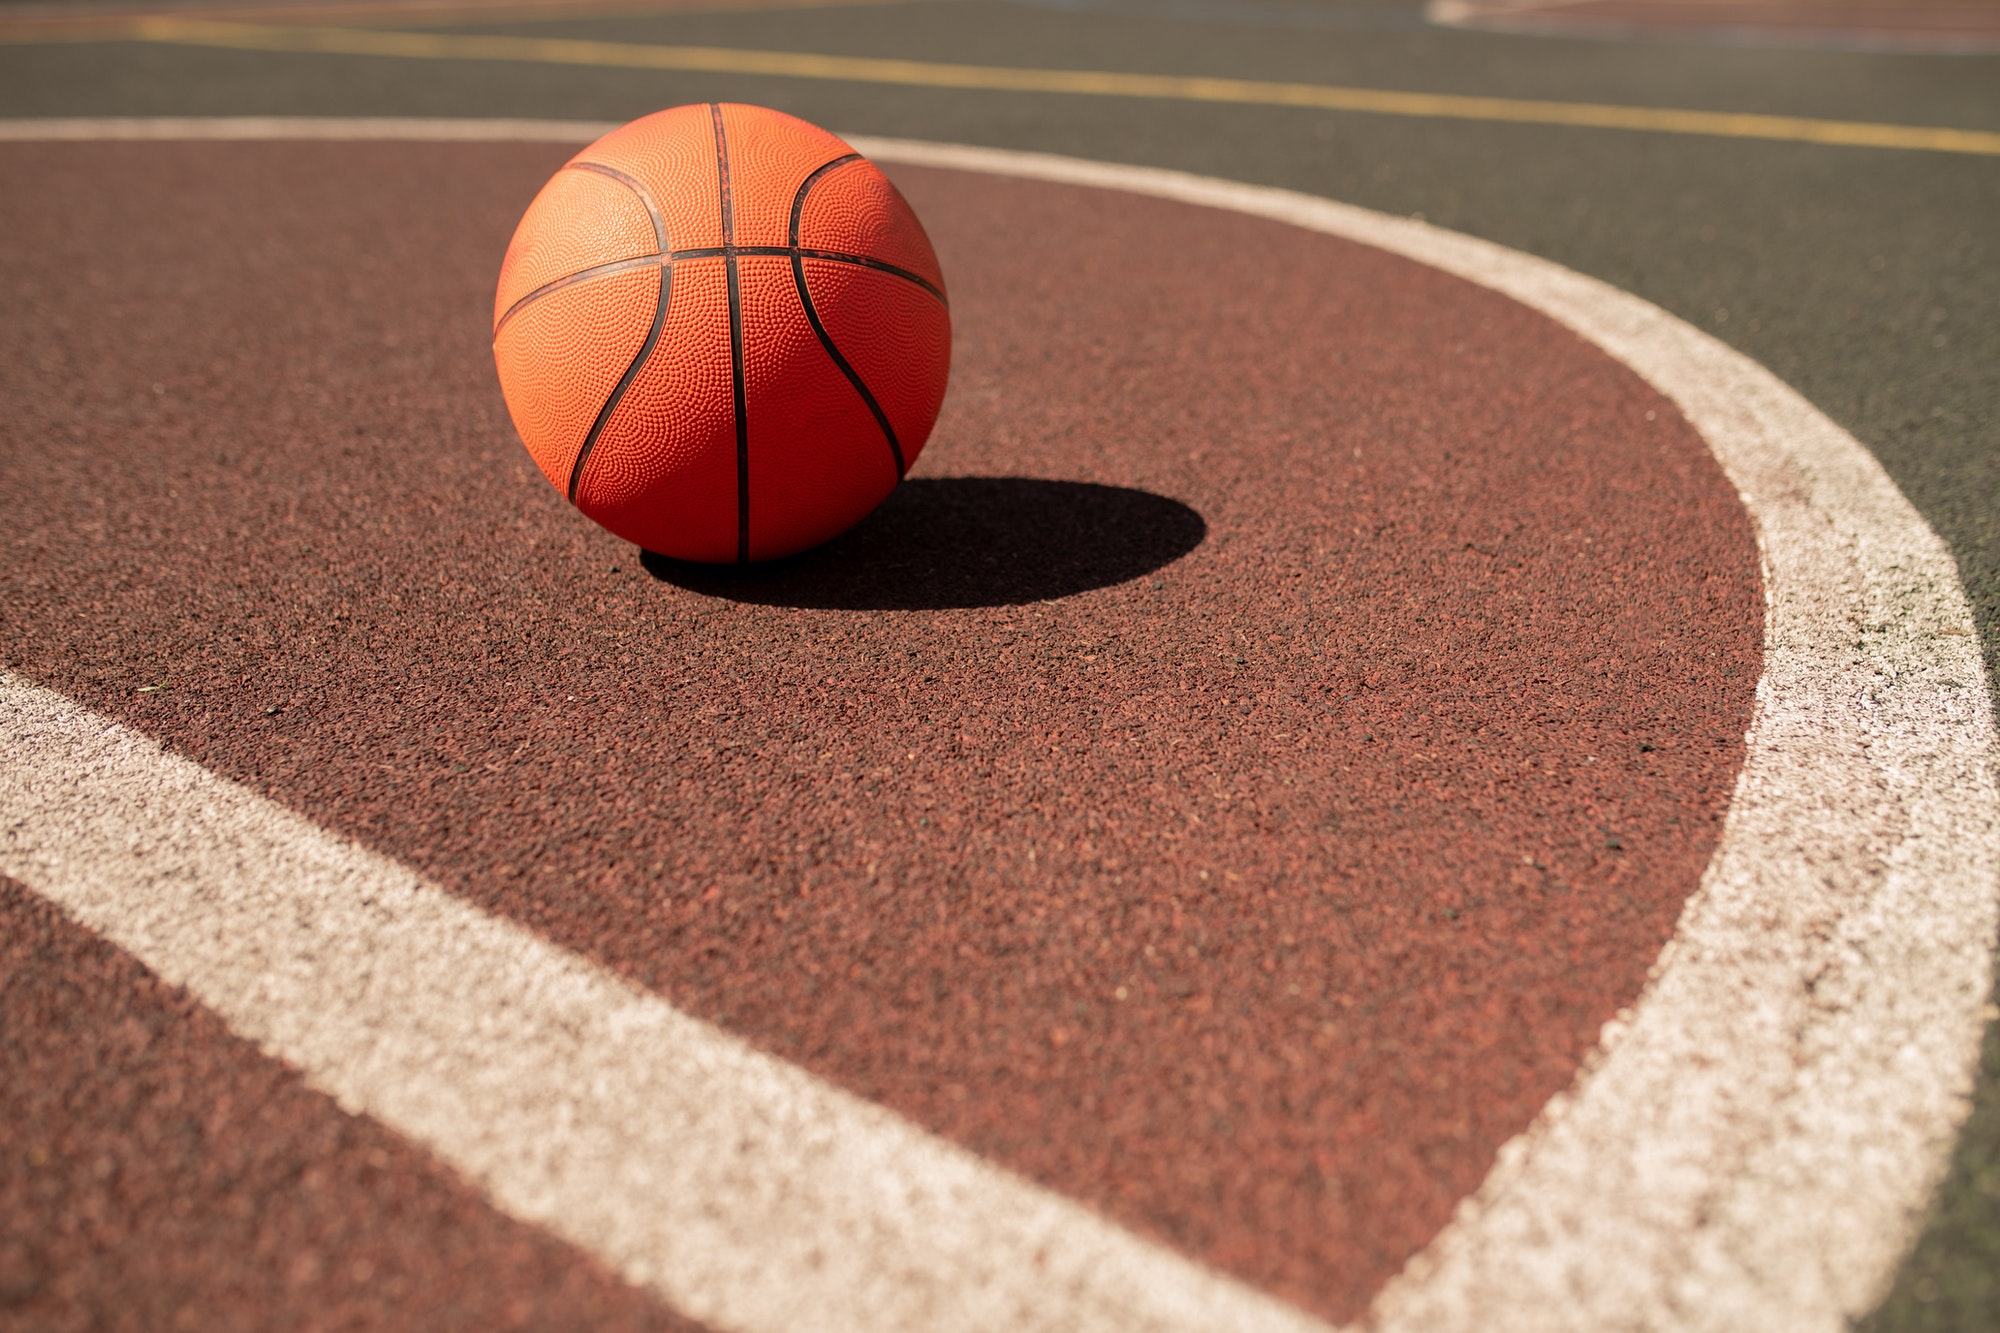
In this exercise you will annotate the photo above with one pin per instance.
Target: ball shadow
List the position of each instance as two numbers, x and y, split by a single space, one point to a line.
940 542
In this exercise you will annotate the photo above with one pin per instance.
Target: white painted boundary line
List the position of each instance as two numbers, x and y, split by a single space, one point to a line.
1754 1142
747 1192
1751 1147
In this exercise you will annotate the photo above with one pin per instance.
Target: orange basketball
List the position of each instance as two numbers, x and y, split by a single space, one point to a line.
722 333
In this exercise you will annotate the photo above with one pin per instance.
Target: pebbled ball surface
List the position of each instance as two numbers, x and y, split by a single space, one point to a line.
722 333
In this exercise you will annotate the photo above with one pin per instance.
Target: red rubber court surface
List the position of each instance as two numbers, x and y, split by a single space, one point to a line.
177 1178
1232 782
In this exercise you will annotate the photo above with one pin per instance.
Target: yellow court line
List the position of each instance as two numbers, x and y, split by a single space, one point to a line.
570 11
45 27
1097 83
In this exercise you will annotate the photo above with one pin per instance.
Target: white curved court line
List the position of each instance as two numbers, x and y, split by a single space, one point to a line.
1751 1146
749 1193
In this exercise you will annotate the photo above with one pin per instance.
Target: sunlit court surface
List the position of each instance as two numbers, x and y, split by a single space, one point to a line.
1042 665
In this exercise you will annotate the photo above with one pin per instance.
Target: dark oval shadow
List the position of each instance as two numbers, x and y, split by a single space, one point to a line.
940 542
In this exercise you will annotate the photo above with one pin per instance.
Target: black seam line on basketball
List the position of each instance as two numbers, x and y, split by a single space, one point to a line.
617 266
617 395
735 337
819 329
805 188
853 375
624 381
831 256
798 217
606 270
638 187
863 261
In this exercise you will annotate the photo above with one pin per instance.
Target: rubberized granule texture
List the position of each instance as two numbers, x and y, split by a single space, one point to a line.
1243 819
157 1172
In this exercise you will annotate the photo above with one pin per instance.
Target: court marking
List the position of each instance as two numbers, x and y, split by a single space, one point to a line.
995 78
689 1161
75 26
1778 25
1751 1146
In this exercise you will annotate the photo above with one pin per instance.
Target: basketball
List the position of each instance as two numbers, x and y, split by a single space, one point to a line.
722 333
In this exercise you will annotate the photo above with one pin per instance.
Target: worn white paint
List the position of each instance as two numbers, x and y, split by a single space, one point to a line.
1750 1148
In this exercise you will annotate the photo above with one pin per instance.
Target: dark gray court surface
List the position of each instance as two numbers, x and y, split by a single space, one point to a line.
1868 278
